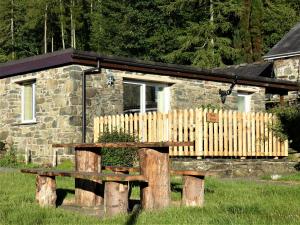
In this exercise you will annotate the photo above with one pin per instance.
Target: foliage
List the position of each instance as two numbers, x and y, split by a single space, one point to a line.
226 202
287 125
204 33
9 159
118 156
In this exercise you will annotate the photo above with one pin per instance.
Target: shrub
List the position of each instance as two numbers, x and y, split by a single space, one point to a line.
288 124
9 159
118 156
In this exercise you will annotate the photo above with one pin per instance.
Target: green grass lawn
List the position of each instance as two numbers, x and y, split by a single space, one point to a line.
226 202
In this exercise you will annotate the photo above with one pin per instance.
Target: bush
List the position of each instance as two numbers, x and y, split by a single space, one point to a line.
9 159
288 124
118 156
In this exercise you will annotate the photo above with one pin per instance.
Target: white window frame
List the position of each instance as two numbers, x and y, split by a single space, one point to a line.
23 103
247 97
143 85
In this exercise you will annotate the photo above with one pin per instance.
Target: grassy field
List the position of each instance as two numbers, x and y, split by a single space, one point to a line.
226 202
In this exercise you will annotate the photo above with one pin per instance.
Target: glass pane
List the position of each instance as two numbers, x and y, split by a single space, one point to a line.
28 102
131 98
151 98
241 103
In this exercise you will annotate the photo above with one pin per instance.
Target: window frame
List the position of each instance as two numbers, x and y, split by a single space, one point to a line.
143 85
23 120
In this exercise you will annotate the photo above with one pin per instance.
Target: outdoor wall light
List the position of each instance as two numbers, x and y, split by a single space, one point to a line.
110 80
224 94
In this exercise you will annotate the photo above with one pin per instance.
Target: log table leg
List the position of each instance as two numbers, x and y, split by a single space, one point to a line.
46 191
193 191
115 198
154 165
88 192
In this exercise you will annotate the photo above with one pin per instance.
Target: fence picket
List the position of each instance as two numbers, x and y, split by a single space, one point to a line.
221 136
210 137
191 131
225 116
216 132
230 141
185 130
180 130
235 134
205 133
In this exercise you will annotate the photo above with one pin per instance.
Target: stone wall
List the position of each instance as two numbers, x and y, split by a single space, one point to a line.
58 113
238 168
59 105
288 69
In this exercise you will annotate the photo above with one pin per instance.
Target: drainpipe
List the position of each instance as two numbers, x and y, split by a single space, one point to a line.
84 73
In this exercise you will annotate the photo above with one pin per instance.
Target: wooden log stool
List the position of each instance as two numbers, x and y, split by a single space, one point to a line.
154 165
46 191
193 187
88 192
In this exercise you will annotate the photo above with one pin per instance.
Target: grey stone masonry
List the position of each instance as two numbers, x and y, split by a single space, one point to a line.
58 111
58 102
288 69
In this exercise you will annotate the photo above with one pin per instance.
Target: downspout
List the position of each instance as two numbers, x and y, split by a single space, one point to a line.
84 73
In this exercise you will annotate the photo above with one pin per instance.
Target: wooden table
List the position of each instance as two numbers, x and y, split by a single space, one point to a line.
154 165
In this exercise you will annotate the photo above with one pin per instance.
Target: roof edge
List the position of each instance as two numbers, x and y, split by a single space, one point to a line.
279 56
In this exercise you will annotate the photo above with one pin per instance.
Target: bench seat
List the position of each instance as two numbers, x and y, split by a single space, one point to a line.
116 189
86 175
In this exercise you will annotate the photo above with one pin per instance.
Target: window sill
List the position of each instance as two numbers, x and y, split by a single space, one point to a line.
26 123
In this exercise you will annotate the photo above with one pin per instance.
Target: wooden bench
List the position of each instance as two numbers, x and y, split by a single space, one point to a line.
115 188
193 183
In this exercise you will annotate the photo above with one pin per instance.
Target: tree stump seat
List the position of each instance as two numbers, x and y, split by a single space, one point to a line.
193 183
115 187
193 187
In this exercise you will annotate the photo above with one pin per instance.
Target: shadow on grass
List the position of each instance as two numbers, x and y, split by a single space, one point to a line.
61 195
135 208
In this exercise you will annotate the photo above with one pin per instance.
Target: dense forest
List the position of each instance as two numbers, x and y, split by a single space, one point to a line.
205 33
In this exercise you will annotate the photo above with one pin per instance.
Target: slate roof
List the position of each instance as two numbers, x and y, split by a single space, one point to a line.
262 69
73 57
288 46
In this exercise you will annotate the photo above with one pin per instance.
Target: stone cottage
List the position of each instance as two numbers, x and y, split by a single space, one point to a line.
53 98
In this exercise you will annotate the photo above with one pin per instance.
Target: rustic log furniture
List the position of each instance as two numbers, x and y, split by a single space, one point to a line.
115 191
193 183
154 166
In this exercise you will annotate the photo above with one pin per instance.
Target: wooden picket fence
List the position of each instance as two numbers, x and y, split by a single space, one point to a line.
216 133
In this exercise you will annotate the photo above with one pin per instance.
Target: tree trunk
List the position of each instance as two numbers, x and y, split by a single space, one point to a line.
211 11
45 191
45 28
154 165
13 54
62 25
73 39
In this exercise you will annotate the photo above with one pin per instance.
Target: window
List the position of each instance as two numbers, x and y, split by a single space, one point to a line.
244 102
145 97
28 102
